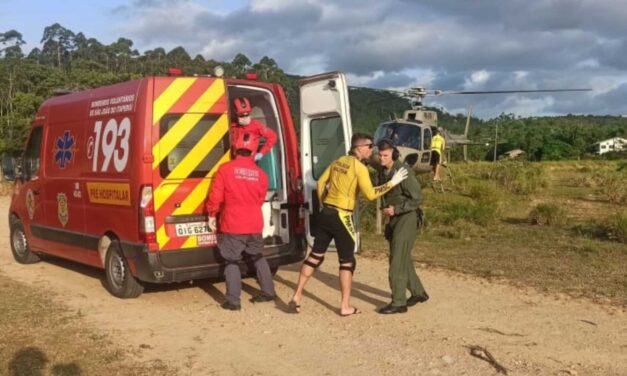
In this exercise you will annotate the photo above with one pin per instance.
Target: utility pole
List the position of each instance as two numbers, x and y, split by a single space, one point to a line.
496 137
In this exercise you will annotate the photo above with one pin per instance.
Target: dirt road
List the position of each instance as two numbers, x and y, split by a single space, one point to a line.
528 333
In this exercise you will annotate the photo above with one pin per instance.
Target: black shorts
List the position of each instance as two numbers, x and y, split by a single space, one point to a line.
435 158
336 225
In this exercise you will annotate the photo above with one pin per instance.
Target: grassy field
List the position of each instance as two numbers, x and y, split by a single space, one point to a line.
559 226
40 337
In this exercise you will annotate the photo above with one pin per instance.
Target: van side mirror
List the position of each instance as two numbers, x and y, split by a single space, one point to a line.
11 167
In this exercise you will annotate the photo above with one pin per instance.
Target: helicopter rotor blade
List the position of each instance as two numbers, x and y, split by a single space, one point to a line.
441 92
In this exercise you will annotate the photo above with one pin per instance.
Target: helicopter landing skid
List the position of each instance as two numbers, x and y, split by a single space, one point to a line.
438 185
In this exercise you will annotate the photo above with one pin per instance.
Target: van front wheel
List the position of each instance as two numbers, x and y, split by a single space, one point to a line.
119 279
19 244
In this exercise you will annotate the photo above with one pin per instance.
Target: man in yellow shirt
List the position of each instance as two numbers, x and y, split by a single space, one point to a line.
438 145
337 191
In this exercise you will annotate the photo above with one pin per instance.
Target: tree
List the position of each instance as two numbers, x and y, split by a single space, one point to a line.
11 42
122 53
57 42
239 66
179 58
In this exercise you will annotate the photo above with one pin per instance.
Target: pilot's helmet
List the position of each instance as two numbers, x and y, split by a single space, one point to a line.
242 106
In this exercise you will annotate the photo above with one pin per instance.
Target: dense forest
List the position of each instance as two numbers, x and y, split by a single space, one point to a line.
71 61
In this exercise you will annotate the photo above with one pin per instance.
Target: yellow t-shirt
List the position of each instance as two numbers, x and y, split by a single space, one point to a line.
343 179
437 144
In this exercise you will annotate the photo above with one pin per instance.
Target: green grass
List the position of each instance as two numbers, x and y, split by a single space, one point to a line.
39 336
484 227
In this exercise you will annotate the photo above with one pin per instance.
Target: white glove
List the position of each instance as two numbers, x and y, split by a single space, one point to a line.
258 156
212 224
399 176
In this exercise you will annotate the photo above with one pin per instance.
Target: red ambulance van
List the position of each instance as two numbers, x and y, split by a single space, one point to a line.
117 177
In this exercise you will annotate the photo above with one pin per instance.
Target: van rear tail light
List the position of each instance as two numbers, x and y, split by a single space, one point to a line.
147 217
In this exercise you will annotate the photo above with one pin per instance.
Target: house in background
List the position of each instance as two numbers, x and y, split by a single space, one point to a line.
611 144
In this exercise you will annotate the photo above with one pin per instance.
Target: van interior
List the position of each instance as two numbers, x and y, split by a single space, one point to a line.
265 110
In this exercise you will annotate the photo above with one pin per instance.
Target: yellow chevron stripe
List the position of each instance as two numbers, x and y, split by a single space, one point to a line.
203 147
191 242
169 97
187 122
169 141
162 237
191 202
199 194
163 191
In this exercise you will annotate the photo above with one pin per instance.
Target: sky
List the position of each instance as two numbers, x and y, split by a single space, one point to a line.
452 45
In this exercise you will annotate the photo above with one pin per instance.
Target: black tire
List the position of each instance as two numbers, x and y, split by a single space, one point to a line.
19 244
118 277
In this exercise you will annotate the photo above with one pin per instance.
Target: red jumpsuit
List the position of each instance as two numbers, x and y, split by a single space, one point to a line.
256 129
238 192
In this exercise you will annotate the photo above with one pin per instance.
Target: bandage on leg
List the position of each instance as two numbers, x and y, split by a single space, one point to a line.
314 260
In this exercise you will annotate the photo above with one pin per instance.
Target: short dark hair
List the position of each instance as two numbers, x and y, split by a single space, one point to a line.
386 144
243 152
359 137
435 130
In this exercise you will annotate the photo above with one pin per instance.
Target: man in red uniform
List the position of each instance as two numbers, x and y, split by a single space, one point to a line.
237 193
253 127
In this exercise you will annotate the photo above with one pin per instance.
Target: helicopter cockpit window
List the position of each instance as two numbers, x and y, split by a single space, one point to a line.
402 134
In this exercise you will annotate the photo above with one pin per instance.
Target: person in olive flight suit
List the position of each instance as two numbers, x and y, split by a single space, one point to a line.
338 187
400 204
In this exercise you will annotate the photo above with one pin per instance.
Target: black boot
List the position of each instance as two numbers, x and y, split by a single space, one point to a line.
389 309
231 306
415 299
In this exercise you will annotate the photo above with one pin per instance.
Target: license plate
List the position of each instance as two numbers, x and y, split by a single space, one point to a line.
191 229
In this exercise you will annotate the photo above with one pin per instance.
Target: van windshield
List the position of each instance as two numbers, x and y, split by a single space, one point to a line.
187 158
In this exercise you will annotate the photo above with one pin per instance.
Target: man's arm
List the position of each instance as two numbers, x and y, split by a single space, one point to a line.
216 194
412 192
270 137
321 185
263 187
365 184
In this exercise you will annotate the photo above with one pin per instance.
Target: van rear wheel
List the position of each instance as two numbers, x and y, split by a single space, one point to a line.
19 244
119 280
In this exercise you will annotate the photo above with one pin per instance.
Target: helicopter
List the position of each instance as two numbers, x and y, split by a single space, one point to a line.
413 132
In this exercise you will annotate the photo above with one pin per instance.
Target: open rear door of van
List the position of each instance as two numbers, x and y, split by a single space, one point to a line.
325 132
190 141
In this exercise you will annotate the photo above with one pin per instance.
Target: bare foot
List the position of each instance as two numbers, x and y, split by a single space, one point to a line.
349 312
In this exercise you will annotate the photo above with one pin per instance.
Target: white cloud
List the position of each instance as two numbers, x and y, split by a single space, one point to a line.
444 44
271 5
476 79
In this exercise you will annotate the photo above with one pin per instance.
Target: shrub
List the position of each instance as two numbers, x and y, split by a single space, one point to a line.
485 192
516 176
459 229
547 215
481 213
616 227
612 185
